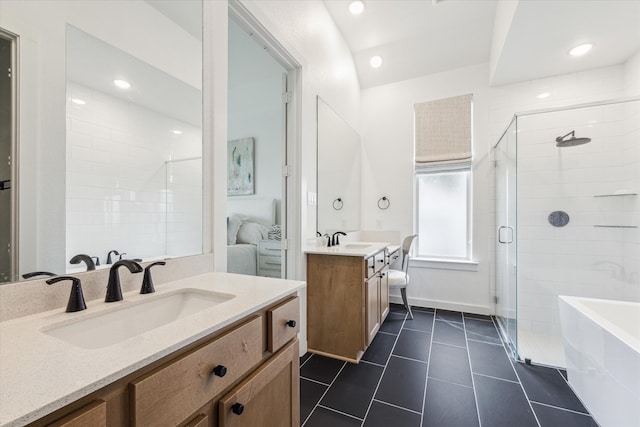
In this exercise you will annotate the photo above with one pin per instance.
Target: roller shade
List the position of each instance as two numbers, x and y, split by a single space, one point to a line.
443 131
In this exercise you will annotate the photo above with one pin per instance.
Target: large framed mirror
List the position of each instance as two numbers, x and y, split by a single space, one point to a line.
110 131
339 172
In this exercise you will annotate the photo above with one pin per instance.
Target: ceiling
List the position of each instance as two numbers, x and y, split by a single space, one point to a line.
522 40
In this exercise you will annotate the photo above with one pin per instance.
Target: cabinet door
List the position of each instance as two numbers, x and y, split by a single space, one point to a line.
384 294
270 397
372 290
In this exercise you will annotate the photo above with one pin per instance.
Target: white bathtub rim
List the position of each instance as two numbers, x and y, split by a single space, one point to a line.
627 338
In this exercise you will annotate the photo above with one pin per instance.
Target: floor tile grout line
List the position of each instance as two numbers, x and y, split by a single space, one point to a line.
388 333
447 344
305 362
484 342
383 371
535 416
561 408
314 381
495 378
426 380
473 382
371 363
448 382
397 406
323 394
408 358
417 330
340 412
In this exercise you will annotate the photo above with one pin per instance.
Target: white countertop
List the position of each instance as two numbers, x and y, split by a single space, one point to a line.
359 249
40 373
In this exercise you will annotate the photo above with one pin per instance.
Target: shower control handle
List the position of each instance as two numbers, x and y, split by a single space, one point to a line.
502 230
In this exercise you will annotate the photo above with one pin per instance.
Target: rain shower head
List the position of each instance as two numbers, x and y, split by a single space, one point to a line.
571 142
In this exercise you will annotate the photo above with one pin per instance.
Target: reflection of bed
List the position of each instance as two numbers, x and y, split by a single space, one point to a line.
248 221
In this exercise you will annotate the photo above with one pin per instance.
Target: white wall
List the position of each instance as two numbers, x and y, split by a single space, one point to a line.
387 131
256 109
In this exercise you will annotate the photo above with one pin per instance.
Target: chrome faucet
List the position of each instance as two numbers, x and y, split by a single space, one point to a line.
77 259
336 236
109 260
114 290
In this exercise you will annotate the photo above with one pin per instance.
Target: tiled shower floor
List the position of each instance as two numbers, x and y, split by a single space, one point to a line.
442 368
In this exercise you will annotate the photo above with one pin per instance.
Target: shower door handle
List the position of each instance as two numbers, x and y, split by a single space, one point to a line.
505 234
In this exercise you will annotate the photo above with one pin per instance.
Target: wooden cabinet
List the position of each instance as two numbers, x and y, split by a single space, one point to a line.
347 301
267 398
270 258
254 361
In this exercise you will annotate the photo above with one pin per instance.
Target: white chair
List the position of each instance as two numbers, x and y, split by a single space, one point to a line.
399 279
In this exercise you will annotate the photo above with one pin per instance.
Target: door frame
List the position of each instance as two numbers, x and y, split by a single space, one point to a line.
14 39
291 209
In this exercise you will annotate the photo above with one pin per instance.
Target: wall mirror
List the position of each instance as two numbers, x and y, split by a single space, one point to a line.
339 172
109 139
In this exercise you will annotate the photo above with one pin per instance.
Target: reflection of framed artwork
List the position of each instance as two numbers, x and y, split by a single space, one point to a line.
240 178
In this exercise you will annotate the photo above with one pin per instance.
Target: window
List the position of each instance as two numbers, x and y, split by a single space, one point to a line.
443 214
443 176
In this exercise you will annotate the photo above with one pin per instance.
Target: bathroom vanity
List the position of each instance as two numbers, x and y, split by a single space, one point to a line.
228 357
347 297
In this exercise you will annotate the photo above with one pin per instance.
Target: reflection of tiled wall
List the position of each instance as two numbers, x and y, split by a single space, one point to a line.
184 207
116 190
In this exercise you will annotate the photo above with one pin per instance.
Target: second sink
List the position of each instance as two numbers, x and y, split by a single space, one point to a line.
133 319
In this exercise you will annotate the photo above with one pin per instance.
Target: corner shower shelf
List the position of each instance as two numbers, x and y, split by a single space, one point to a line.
616 195
616 226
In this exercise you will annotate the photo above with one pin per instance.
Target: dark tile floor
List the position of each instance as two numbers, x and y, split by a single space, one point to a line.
443 368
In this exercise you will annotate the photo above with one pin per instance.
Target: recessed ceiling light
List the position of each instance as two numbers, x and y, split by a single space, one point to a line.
177 132
122 84
375 61
544 95
356 7
580 50
78 101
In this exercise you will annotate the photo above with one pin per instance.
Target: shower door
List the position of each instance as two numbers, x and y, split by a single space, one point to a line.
505 199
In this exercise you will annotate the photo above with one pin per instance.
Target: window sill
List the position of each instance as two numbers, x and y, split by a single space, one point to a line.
444 264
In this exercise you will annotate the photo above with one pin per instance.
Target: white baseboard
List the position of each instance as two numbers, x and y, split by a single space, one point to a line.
445 305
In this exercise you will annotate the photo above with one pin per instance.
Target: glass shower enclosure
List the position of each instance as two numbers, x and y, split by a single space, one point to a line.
567 213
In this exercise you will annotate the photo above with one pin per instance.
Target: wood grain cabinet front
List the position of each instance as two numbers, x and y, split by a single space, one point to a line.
347 301
94 415
267 398
170 395
184 388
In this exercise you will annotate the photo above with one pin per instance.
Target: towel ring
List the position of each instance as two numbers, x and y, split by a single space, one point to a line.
384 203
337 204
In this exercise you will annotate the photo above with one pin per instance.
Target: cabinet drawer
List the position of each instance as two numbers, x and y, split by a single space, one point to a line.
270 273
280 330
375 263
94 414
269 247
169 395
269 397
270 263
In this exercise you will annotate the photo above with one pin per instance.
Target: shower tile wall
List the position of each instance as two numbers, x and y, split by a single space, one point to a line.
587 182
116 187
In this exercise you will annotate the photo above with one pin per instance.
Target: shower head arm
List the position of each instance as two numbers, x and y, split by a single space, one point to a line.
561 138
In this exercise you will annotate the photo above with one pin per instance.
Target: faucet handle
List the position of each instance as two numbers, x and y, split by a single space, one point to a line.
76 298
147 280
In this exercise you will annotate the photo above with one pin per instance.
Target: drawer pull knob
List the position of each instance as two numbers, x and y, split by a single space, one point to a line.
237 408
291 323
220 371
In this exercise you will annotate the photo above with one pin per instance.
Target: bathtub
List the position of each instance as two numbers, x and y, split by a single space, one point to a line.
602 349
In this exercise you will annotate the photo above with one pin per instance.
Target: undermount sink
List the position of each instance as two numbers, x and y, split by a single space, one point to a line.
134 319
356 245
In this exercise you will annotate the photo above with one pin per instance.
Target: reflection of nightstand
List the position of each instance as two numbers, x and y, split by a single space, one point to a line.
269 258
